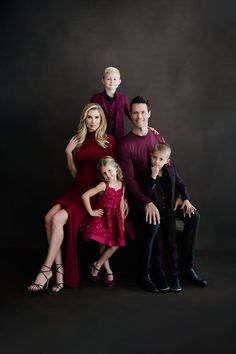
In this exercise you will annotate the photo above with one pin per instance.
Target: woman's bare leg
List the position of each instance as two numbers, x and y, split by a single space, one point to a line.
55 233
58 259
48 227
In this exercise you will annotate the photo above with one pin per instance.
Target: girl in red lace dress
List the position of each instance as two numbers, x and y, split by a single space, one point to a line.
82 153
106 221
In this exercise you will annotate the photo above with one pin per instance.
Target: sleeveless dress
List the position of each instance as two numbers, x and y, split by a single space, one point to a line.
85 158
107 229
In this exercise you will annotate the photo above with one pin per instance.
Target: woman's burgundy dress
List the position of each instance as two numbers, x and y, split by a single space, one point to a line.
86 158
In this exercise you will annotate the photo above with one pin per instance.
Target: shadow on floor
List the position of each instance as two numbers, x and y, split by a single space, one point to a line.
125 320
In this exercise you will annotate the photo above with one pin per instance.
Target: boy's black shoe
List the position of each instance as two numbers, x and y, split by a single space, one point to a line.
148 284
175 285
192 276
163 285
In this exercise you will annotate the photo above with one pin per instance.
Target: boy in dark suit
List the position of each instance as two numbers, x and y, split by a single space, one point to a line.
162 184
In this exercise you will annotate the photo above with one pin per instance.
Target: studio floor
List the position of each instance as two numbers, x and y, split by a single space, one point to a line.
92 319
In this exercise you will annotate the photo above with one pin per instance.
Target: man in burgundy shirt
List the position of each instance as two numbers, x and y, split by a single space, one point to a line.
133 155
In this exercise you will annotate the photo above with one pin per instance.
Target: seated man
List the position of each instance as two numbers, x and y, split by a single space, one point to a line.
133 155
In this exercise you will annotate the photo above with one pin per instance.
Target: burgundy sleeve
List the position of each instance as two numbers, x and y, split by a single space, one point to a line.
148 185
126 163
95 99
126 108
180 187
111 148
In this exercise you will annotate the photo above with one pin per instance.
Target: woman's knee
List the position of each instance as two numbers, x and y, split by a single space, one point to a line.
48 219
59 219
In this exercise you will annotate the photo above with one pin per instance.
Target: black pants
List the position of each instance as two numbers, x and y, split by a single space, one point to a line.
165 248
147 234
187 239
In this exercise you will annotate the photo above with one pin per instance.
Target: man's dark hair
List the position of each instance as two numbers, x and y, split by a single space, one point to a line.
139 99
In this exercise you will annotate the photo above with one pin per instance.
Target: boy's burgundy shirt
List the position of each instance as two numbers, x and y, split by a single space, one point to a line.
114 112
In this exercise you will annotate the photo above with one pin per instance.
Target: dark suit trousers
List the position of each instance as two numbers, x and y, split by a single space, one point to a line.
146 235
187 239
165 249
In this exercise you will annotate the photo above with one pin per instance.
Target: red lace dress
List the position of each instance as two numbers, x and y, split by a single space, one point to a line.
86 158
108 229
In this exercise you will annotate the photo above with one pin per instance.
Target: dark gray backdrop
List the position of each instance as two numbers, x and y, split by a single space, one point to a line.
179 54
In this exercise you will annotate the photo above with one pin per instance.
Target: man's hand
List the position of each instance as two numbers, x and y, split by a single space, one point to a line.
152 214
153 130
188 208
126 208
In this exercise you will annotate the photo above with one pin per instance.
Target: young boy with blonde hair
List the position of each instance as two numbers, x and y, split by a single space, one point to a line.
114 103
162 183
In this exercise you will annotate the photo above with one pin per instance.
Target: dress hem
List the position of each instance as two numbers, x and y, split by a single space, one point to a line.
101 240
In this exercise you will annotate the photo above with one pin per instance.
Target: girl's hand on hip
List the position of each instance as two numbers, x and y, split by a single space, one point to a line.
97 212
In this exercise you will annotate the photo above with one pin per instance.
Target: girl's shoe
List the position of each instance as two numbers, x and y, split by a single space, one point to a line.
58 286
35 287
95 269
109 282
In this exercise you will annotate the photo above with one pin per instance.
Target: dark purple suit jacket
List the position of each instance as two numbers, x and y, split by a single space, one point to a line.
114 112
153 189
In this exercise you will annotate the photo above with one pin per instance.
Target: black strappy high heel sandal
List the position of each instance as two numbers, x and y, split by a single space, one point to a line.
35 287
58 286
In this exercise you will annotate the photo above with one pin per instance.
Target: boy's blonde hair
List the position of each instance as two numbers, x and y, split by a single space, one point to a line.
104 161
111 69
163 147
100 135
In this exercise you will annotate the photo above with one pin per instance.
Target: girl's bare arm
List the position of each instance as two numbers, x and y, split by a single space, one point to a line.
89 194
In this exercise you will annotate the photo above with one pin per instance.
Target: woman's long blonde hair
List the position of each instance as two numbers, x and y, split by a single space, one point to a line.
104 161
100 134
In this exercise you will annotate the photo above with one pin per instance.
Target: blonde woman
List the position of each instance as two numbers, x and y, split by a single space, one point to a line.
82 152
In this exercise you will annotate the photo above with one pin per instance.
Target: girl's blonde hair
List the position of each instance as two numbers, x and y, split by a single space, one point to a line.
100 134
104 161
